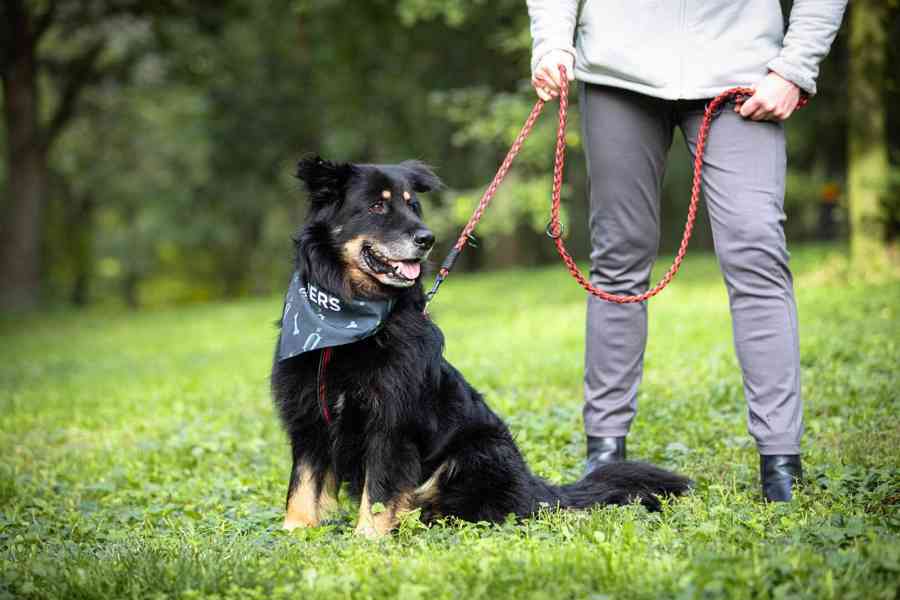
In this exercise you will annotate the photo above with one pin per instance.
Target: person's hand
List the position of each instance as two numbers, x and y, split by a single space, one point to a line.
774 99
546 79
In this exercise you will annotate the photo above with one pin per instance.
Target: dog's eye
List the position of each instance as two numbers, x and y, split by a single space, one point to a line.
412 202
378 207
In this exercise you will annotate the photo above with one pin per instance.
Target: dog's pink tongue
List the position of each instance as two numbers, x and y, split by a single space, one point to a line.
408 269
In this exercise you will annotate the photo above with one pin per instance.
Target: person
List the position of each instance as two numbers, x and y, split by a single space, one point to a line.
645 67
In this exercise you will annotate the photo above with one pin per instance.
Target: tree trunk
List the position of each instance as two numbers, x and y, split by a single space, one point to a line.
20 232
868 166
80 225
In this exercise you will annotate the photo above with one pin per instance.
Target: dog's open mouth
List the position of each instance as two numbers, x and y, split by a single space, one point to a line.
404 271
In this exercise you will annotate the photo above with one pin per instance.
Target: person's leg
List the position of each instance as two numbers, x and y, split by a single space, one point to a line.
743 185
626 139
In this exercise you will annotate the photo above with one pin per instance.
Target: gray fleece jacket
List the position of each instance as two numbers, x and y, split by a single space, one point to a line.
686 49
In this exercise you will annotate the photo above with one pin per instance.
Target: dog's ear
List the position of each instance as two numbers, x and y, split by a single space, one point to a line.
421 176
325 180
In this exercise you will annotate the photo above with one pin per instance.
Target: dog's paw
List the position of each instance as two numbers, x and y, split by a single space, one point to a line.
367 530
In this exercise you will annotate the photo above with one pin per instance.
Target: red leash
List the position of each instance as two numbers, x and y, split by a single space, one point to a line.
324 358
554 227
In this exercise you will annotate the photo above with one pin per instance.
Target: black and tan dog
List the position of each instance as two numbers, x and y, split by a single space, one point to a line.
384 411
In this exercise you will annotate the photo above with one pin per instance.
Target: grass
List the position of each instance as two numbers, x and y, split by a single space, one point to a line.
142 458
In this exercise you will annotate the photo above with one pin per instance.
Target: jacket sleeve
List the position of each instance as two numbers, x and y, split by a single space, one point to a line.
552 27
813 27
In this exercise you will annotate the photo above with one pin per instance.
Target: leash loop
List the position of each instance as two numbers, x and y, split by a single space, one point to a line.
554 229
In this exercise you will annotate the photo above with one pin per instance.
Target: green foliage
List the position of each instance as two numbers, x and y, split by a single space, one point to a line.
142 457
186 164
483 119
173 181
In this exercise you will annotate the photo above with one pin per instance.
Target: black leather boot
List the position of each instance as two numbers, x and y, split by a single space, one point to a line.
603 451
779 475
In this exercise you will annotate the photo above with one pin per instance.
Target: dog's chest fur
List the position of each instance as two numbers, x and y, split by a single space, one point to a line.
380 380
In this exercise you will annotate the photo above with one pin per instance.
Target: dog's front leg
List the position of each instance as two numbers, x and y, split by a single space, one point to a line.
392 474
377 522
310 497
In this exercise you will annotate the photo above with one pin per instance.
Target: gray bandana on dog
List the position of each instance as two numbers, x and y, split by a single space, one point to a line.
314 318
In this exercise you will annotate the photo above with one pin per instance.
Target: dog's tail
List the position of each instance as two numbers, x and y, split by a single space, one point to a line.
617 483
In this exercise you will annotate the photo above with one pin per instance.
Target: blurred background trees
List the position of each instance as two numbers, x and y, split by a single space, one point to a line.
869 165
150 145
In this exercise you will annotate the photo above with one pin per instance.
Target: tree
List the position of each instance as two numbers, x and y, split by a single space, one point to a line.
26 148
868 167
67 44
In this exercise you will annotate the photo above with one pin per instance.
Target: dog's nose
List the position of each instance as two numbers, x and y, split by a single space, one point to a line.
424 238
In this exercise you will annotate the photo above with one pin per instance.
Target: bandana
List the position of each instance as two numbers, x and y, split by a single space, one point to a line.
314 318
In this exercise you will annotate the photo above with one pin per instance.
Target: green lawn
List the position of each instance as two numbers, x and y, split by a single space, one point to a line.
142 457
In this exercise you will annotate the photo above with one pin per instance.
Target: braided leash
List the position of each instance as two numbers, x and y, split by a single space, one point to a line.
554 227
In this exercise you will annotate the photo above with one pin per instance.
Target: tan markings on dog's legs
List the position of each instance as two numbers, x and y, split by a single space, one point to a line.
364 524
378 525
306 505
429 491
328 495
301 506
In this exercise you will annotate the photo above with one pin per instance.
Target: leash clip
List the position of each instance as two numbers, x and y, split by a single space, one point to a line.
438 280
549 231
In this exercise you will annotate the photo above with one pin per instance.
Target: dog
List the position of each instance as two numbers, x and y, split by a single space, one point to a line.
364 392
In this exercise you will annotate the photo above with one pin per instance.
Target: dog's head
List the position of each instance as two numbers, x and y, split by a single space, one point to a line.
373 219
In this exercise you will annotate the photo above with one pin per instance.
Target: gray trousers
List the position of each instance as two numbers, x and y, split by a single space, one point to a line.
627 137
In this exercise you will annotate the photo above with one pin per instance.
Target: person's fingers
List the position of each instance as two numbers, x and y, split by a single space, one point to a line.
555 76
537 84
758 108
542 81
547 79
546 75
750 107
761 114
788 108
542 91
